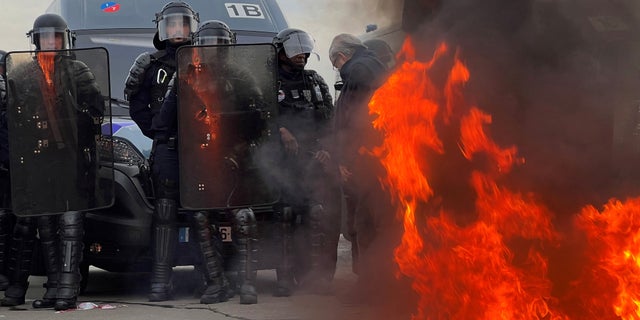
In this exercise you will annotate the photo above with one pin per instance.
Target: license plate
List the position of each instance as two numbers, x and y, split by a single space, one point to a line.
225 234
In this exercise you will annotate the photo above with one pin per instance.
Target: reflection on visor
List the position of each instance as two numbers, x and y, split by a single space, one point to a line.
298 43
176 25
50 38
213 40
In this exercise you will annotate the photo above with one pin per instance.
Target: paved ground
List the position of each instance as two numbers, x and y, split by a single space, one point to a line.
123 296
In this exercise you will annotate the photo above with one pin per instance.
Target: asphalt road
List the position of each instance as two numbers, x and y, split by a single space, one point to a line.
124 296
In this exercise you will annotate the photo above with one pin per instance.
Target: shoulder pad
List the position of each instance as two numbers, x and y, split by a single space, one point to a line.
314 76
136 75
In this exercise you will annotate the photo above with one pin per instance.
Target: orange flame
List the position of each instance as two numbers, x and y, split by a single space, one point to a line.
200 83
613 266
459 272
46 60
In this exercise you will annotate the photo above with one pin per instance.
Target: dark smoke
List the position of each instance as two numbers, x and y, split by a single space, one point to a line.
560 81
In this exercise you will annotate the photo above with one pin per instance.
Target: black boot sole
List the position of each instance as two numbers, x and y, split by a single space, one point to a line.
11 302
44 303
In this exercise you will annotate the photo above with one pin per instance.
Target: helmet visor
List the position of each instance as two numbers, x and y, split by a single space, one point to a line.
210 40
49 38
298 43
176 26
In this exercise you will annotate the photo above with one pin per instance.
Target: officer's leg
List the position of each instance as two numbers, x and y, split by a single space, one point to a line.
246 241
164 243
164 222
71 235
351 207
284 270
21 253
332 222
6 220
318 278
50 244
211 249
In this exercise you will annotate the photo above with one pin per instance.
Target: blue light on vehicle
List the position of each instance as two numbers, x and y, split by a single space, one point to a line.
110 7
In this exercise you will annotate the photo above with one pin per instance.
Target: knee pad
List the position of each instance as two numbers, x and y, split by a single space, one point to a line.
285 214
316 213
167 189
47 227
166 210
201 218
245 220
72 225
25 227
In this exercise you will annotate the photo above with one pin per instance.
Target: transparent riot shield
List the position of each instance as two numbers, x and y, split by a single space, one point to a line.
59 159
226 103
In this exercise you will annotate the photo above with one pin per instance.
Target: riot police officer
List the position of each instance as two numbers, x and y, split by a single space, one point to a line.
61 236
239 89
145 89
306 109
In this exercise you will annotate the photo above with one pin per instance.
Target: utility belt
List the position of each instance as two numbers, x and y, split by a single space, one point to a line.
171 142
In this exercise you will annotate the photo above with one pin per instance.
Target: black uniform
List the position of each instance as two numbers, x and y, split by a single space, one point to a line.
239 91
306 111
72 124
145 89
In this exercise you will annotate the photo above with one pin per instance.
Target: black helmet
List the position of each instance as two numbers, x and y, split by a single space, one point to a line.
3 55
214 32
172 13
294 42
48 26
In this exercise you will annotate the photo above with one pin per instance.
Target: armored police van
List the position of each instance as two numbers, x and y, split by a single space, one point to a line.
117 239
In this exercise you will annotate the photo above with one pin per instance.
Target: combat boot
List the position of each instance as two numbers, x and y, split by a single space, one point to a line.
165 242
208 239
284 270
22 245
71 235
246 241
49 243
318 280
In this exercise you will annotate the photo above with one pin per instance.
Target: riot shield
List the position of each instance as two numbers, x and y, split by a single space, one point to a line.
226 103
57 102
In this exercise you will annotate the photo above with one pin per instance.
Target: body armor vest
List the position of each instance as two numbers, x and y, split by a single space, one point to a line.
301 94
163 67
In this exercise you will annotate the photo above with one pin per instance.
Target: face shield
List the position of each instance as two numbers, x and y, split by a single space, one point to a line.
176 26
212 40
50 38
298 43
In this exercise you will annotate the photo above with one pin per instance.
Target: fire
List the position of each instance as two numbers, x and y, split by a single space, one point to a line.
46 60
613 264
497 264
460 271
199 81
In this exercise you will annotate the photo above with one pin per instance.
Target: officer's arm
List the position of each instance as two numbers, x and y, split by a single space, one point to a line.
169 110
137 92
